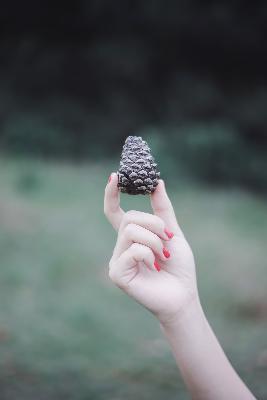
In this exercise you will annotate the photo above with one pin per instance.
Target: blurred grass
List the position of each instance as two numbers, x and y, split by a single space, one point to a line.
66 332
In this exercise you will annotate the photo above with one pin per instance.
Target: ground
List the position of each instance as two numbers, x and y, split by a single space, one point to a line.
67 332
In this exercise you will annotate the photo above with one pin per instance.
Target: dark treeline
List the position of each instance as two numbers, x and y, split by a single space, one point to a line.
77 77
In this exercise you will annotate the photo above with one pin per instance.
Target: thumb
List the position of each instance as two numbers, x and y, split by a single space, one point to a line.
162 207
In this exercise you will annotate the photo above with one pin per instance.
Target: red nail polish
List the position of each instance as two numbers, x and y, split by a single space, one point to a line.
156 265
168 233
166 252
109 179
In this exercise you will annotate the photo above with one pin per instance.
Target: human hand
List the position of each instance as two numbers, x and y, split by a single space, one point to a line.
164 284
169 290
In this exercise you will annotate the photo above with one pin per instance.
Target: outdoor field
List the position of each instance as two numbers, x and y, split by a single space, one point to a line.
67 333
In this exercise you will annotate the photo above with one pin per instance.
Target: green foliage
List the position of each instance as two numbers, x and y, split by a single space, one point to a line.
215 153
78 93
26 134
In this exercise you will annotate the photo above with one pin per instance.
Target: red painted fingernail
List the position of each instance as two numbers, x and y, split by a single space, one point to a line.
109 179
166 252
168 233
156 265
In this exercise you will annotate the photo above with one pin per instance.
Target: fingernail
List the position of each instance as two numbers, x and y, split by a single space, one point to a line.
156 265
109 179
166 252
168 233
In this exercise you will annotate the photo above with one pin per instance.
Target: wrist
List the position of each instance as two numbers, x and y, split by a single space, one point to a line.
188 318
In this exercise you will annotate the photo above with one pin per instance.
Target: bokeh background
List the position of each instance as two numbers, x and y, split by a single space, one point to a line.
75 79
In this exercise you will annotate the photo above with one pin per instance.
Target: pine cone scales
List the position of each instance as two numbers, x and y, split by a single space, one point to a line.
137 173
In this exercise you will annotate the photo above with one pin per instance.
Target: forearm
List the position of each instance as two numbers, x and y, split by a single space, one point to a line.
205 369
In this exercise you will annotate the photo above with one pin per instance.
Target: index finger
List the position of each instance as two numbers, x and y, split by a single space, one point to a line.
112 208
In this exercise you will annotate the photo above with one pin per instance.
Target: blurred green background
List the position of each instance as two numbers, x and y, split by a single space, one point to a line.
75 81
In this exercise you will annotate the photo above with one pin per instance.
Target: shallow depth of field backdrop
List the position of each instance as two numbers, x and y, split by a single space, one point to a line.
75 79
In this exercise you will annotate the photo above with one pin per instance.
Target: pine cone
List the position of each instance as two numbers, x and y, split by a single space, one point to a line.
137 173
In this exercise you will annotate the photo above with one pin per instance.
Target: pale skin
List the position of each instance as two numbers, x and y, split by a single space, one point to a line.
166 285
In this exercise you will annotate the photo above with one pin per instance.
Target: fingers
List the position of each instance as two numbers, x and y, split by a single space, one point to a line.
162 207
123 270
112 208
148 221
133 233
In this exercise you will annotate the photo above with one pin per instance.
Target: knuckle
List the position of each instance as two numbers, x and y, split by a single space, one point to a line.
129 216
147 252
131 213
129 229
112 274
141 250
116 279
136 247
125 220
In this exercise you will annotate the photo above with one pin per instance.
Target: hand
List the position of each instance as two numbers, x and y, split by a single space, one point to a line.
164 284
